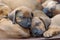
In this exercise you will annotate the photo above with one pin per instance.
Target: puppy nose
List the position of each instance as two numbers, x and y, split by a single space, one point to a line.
37 33
29 24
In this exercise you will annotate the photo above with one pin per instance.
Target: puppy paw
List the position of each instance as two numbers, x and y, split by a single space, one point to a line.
48 34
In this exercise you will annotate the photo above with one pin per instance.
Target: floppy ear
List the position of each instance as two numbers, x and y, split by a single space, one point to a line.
46 21
32 14
12 16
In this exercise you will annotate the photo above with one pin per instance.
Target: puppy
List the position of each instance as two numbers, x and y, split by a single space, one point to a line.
16 3
51 10
54 27
22 16
10 30
4 10
40 23
37 27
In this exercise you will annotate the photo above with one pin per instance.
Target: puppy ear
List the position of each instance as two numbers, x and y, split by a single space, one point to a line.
46 21
12 16
32 14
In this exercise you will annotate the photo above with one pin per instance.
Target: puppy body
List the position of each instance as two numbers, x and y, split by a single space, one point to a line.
54 27
39 13
16 3
10 30
57 10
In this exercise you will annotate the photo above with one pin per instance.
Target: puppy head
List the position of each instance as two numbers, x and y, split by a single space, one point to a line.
39 25
4 10
49 8
22 15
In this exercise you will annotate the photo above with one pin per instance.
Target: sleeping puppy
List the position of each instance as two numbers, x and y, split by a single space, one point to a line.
4 10
10 30
51 10
54 27
22 16
38 27
16 3
40 23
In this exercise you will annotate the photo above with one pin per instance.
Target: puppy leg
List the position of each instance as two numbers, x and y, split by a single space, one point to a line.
51 32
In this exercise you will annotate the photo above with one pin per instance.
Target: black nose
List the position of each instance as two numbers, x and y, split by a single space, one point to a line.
37 32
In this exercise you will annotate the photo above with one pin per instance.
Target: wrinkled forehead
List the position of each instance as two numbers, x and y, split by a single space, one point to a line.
36 20
24 13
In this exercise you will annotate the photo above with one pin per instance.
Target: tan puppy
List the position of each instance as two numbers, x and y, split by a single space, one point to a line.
10 30
16 3
51 10
54 27
4 10
37 27
18 25
22 16
40 23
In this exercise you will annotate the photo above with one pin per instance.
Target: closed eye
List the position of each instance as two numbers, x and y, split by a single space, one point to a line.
37 24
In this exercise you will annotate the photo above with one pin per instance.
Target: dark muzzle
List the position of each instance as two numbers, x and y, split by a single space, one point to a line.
26 23
36 32
47 12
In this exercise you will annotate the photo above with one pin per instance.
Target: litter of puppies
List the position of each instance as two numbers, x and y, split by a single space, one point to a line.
29 18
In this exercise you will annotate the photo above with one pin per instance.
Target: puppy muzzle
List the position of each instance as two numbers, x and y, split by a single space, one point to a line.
36 32
47 12
25 23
